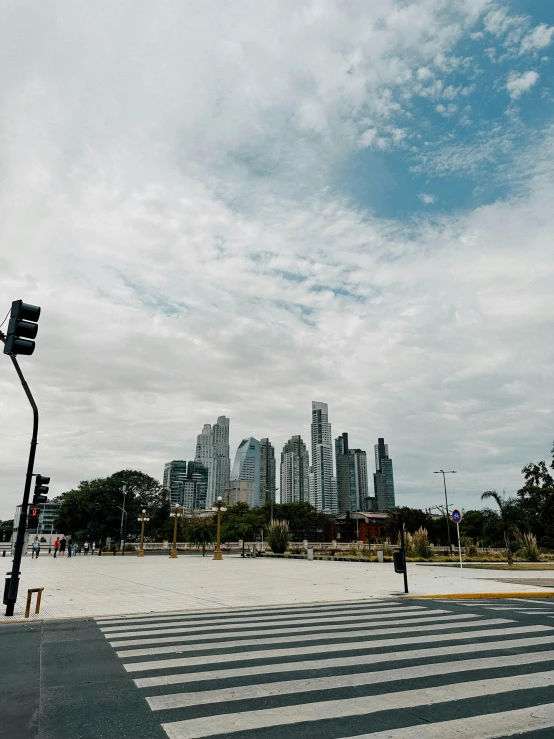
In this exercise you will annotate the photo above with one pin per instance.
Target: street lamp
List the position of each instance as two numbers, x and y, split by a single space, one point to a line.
219 506
143 517
123 513
175 514
444 473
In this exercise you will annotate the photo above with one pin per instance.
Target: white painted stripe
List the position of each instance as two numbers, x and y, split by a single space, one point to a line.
543 602
229 723
278 636
489 726
168 664
264 690
374 614
359 659
228 613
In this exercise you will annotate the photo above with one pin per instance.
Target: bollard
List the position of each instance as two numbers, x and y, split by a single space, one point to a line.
4 553
29 598
380 555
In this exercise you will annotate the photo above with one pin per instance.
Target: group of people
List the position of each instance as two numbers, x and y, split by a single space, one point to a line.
62 545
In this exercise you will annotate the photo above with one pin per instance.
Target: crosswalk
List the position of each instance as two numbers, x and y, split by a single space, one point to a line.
385 669
526 606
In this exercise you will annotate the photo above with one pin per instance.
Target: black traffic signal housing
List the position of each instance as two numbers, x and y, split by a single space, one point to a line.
41 490
399 559
397 519
33 517
22 327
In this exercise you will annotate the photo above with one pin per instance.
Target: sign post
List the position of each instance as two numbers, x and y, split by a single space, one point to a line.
457 517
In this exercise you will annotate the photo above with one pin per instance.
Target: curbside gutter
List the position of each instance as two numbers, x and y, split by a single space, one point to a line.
483 596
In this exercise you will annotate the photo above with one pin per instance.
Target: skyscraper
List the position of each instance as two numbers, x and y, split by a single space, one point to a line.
175 473
267 471
212 450
383 479
295 466
246 467
352 487
323 484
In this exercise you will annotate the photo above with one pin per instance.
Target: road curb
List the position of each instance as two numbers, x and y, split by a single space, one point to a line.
482 596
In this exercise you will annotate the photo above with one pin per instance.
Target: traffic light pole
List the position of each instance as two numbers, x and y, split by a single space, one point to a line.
404 551
14 581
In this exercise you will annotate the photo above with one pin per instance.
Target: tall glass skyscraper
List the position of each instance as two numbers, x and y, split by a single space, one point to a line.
323 484
295 466
351 476
383 480
267 471
246 467
212 450
175 474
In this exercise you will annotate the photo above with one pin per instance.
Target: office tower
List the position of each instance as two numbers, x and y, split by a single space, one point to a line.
246 467
295 466
175 473
195 487
383 480
212 450
352 490
323 484
240 491
267 471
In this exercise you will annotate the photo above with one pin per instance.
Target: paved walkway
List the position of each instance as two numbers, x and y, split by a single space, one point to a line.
96 586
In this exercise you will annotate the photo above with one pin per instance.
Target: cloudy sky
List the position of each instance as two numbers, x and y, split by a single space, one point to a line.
238 208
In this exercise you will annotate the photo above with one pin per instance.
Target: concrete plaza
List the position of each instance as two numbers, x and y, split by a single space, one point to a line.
101 586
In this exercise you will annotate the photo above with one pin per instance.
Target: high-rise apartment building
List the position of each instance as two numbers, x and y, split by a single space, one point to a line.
212 450
352 489
383 480
246 467
295 466
322 482
175 474
267 471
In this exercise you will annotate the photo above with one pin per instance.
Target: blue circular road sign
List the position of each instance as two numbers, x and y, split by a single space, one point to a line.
456 515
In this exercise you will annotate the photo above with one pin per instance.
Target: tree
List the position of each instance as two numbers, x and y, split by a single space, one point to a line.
536 498
6 528
94 507
200 532
508 517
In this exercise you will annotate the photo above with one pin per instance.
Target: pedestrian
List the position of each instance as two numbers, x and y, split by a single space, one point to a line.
75 549
93 548
86 547
69 547
63 542
56 547
36 548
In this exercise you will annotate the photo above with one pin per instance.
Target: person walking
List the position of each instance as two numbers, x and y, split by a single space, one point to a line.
56 547
69 547
86 547
63 542
93 547
75 548
36 548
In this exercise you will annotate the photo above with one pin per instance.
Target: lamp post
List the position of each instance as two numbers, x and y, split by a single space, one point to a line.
218 506
444 473
175 514
143 517
123 513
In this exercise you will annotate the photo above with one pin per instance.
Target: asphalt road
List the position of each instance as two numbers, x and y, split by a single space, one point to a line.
394 669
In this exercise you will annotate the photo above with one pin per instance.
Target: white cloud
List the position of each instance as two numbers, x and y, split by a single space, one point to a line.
517 84
426 198
539 38
165 196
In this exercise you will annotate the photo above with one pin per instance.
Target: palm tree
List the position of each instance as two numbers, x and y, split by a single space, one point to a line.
507 516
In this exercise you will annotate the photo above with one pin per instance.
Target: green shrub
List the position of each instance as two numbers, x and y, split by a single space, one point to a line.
529 549
420 544
278 536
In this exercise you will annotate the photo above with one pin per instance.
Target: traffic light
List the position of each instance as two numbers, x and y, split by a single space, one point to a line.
397 519
22 327
41 490
399 559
